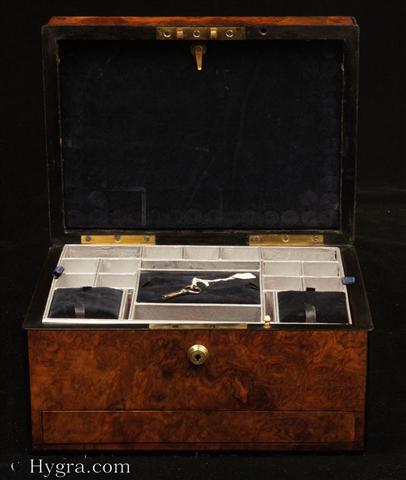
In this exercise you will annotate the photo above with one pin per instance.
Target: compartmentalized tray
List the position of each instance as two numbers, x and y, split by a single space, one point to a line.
120 266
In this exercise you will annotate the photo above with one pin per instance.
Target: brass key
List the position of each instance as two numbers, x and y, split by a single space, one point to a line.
195 290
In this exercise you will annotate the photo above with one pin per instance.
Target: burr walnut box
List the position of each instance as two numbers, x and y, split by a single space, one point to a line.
202 290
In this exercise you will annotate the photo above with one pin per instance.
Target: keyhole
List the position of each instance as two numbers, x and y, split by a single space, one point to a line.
197 354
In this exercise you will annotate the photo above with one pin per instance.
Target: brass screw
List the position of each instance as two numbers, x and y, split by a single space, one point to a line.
196 33
117 238
167 34
285 238
229 33
88 238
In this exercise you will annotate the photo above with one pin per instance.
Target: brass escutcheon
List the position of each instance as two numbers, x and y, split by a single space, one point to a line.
200 32
197 354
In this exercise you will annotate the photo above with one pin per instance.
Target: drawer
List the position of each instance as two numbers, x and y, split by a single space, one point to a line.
197 427
150 370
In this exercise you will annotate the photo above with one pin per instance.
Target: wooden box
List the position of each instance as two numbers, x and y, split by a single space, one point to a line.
195 146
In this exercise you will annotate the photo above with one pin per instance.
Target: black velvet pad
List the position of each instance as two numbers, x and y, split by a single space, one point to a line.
252 141
154 284
330 307
98 302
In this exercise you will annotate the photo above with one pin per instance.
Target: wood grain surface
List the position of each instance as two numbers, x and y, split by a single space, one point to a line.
103 370
197 427
214 21
280 371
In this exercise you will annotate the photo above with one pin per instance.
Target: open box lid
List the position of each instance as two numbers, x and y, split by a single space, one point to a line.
257 146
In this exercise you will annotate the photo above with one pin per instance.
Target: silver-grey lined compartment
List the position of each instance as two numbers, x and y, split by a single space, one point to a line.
119 266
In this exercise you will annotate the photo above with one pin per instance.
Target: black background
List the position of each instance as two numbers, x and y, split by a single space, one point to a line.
380 239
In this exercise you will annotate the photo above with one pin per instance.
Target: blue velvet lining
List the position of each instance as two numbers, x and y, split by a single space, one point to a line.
252 141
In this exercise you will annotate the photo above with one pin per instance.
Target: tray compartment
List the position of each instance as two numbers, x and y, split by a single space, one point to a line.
239 253
163 253
115 265
197 313
326 284
125 306
201 253
289 269
199 265
80 265
75 280
116 281
278 268
283 283
321 269
80 251
299 253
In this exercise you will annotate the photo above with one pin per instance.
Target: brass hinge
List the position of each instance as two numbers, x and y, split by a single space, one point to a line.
119 239
200 33
285 239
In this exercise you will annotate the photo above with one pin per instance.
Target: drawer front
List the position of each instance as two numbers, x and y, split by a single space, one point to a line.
150 370
197 427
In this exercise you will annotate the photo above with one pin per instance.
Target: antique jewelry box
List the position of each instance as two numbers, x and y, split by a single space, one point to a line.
201 290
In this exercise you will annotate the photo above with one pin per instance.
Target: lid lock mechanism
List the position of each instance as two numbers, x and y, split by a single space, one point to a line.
200 33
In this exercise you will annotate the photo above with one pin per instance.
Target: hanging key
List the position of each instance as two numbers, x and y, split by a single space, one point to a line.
198 51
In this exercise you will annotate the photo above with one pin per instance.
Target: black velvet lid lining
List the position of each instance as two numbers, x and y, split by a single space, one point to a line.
253 141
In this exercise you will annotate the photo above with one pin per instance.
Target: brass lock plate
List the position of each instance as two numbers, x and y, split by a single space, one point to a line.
200 33
198 354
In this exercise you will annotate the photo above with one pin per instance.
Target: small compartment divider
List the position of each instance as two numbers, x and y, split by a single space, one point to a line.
96 279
